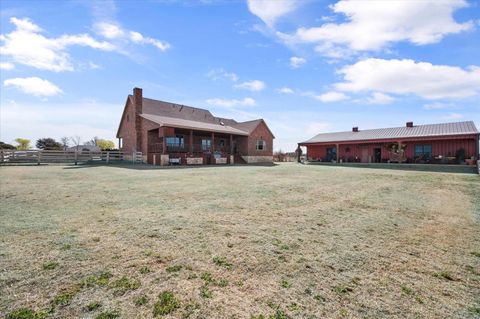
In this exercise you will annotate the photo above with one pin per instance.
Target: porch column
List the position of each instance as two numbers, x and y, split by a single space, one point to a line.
191 141
231 144
164 145
400 154
119 143
337 147
212 149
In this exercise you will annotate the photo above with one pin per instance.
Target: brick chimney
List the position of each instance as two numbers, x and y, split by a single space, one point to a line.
409 124
355 129
138 103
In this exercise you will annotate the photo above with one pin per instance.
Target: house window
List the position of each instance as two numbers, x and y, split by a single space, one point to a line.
423 151
176 141
261 145
206 144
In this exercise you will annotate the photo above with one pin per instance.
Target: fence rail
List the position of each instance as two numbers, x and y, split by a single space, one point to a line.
44 156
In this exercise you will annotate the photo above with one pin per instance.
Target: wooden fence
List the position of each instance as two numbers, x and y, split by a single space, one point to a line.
42 156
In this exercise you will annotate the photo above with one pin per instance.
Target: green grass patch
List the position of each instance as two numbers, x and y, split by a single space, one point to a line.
100 279
173 269
108 314
144 270
205 292
93 306
26 313
140 300
125 284
444 274
166 304
285 284
50 265
222 261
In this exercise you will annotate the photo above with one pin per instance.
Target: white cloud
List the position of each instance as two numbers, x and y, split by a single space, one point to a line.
453 116
254 85
285 90
6 66
380 98
270 11
438 106
231 102
327 97
373 25
34 86
109 30
409 77
114 31
219 73
296 62
26 45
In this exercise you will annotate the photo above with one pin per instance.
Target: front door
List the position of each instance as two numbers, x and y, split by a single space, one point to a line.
365 155
378 155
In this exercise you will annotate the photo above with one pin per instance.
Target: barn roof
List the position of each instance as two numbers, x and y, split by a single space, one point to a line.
442 129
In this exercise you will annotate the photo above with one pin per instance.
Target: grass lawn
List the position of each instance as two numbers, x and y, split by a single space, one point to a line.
288 241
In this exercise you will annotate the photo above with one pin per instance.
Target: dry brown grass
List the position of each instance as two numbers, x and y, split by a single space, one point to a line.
239 242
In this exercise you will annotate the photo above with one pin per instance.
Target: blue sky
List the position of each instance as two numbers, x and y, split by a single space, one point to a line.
305 66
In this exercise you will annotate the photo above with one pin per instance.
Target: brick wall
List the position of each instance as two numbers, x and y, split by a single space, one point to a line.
260 133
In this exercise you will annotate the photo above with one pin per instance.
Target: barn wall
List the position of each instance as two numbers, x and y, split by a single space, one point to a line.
353 152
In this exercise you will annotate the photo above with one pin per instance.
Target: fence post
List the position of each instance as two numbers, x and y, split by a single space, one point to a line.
1 152
76 157
39 157
133 157
108 156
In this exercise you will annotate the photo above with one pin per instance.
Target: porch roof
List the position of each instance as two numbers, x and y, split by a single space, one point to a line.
418 131
192 125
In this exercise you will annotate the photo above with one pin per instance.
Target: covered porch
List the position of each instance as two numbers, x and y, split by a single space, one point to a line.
180 146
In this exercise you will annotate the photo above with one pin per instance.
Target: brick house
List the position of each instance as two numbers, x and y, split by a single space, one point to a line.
445 143
168 133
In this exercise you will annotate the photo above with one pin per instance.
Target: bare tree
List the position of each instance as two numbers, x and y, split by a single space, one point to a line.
64 140
93 141
76 141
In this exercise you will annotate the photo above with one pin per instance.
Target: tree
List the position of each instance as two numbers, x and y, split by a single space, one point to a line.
5 146
23 144
64 140
93 141
76 140
105 144
48 144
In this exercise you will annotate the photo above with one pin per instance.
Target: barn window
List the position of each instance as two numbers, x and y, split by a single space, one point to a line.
423 150
261 145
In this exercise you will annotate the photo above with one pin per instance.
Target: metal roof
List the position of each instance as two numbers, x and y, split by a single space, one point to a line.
193 125
443 129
